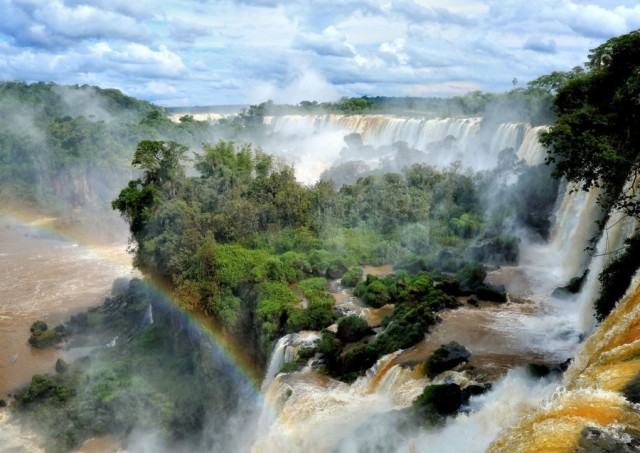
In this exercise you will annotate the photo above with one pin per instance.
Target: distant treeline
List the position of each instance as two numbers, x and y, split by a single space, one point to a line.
532 105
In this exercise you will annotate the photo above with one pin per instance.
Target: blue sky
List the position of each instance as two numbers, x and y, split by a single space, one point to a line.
200 52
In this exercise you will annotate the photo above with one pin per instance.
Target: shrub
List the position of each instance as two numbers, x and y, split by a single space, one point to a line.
471 276
376 294
616 278
352 277
43 388
446 357
352 328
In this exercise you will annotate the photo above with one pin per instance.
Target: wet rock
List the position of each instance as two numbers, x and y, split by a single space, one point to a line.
574 286
491 293
498 251
541 370
446 357
61 366
452 302
335 270
450 287
473 301
42 336
595 440
632 390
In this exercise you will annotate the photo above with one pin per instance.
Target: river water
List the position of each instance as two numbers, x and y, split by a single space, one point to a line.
48 277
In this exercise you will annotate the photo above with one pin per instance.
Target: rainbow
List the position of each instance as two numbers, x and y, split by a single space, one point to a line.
226 349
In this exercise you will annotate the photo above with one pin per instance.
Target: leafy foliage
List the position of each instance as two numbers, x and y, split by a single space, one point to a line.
595 139
616 277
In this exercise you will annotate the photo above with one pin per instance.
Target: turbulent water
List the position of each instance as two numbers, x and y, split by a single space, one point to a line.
534 328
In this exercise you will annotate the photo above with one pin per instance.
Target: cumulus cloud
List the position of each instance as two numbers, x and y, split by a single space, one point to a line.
238 51
53 24
594 21
539 45
415 12
330 43
140 60
187 31
137 10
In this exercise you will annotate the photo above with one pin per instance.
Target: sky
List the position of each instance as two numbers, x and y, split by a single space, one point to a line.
210 52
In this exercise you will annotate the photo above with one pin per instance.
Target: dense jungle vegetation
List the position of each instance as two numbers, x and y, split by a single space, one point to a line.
245 242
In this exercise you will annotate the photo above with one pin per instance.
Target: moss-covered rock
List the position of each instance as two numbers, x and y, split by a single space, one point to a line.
438 401
336 269
43 337
573 287
491 293
376 295
61 366
499 250
351 278
471 276
446 357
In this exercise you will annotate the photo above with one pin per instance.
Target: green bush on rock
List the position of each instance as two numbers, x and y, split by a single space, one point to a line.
446 357
352 328
42 337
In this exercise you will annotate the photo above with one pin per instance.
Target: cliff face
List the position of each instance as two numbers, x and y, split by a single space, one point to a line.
598 407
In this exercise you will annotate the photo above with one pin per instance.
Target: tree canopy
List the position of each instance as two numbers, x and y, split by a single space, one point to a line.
596 139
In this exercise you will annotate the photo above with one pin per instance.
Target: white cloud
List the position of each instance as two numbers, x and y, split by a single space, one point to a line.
594 21
226 51
53 24
330 43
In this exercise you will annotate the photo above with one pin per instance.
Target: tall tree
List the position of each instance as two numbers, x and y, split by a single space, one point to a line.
596 138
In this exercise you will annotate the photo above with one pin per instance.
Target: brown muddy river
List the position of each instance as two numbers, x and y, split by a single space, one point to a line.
48 279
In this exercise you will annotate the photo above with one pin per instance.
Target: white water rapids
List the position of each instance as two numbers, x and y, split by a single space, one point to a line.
314 413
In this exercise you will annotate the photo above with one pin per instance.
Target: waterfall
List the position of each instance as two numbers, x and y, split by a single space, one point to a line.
337 411
592 406
286 350
148 316
508 135
575 224
610 245
531 150
276 361
314 142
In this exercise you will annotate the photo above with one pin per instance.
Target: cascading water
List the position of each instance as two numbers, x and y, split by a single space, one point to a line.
597 410
547 328
618 228
315 142
531 151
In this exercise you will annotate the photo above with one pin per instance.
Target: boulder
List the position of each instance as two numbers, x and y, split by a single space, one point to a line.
446 357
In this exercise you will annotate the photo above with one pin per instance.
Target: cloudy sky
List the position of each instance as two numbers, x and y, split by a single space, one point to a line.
205 52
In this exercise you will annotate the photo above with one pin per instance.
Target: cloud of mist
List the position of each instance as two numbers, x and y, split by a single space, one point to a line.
302 83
